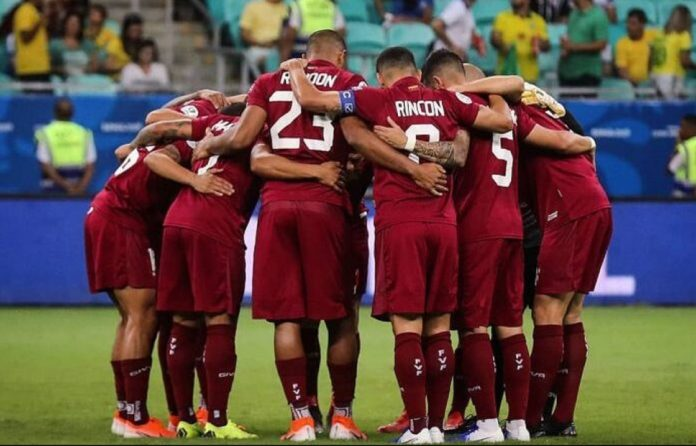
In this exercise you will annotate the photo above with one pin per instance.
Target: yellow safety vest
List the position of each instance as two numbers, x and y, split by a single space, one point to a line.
687 172
316 15
67 143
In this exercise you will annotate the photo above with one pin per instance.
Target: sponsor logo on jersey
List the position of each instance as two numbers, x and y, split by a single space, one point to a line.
464 98
190 110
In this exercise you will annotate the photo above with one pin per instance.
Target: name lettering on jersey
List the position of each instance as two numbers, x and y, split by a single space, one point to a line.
317 79
405 109
221 126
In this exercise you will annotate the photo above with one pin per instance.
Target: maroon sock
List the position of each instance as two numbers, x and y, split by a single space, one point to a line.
162 349
499 376
312 348
574 358
181 361
343 384
477 358
220 366
439 360
119 384
460 396
409 366
200 366
515 368
546 358
136 377
293 377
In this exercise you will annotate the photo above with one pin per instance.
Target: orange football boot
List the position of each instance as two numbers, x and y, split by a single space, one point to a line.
154 428
397 426
301 429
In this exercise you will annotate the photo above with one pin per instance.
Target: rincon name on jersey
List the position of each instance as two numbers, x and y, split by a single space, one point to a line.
325 80
419 108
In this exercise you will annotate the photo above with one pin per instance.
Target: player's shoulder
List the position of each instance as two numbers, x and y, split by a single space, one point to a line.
463 98
266 80
196 108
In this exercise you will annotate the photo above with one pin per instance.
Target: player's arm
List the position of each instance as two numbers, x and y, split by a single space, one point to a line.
448 154
511 87
565 142
266 164
495 119
242 135
164 132
308 96
431 177
166 112
165 163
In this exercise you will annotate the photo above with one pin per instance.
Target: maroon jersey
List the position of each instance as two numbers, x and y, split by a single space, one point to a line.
197 108
300 135
560 188
486 190
427 114
137 197
222 218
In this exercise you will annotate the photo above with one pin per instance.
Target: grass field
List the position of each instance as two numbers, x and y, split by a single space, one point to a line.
55 379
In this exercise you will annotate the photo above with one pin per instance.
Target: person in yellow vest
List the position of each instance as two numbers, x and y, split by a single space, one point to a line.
682 165
32 60
307 17
66 152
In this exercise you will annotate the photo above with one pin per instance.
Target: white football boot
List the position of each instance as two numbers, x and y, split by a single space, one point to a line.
436 435
422 437
486 431
516 430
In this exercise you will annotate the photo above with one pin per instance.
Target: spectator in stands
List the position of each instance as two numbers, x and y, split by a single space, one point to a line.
553 11
456 29
107 42
519 35
633 50
682 165
145 73
609 8
581 49
306 17
132 35
72 54
261 24
406 11
32 59
671 54
66 152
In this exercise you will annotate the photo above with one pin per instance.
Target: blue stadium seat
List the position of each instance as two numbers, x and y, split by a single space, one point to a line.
216 8
365 37
233 9
354 10
548 61
6 85
364 65
488 62
272 61
665 8
440 6
623 6
556 31
415 36
616 32
617 89
6 5
485 11
93 84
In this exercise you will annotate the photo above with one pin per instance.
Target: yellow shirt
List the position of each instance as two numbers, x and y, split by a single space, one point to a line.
117 54
634 55
520 31
264 20
104 38
666 53
32 57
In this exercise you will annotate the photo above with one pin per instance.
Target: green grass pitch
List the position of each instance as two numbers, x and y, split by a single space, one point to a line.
55 378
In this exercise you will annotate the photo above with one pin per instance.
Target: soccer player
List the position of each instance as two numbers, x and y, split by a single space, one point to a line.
122 239
576 223
199 228
419 302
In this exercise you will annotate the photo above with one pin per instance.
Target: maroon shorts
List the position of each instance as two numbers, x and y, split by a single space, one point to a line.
299 262
571 255
199 274
117 257
360 257
416 268
491 283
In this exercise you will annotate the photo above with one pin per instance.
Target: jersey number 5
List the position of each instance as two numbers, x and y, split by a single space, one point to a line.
321 121
503 155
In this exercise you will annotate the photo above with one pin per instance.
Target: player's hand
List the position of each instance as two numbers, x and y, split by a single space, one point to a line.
392 135
431 177
292 64
331 174
202 151
218 99
122 152
210 183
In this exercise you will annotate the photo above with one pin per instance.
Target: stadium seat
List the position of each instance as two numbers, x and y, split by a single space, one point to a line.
272 61
440 6
415 36
6 5
485 11
92 84
623 6
364 65
354 10
556 31
488 62
6 85
617 89
616 32
216 8
548 61
365 38
665 7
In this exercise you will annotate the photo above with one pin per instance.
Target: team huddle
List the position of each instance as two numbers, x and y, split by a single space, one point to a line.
486 197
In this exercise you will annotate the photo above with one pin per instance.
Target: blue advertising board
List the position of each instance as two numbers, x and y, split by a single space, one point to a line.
42 254
635 138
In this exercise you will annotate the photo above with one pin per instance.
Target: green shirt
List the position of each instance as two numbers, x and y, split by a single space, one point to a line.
587 26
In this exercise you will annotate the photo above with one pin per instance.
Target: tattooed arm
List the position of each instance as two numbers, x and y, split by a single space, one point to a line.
448 154
163 132
308 96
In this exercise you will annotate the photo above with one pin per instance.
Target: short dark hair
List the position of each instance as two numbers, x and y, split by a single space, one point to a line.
235 109
690 119
439 60
101 9
149 43
638 14
63 109
325 36
396 57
